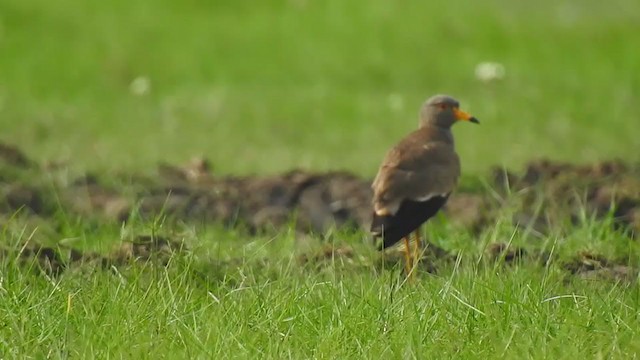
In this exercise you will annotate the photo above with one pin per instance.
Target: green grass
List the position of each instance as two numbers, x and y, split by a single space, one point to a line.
266 86
472 309
258 81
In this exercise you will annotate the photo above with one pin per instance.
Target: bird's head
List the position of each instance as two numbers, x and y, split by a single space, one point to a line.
443 111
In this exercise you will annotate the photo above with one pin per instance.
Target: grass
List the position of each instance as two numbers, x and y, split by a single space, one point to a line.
264 87
472 309
337 82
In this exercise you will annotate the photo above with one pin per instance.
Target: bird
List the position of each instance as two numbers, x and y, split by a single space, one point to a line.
416 177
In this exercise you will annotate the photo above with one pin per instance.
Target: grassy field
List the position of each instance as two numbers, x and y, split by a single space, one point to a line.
267 86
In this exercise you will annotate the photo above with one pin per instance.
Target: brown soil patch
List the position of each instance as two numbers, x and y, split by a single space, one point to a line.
546 197
328 254
146 248
53 261
590 266
505 252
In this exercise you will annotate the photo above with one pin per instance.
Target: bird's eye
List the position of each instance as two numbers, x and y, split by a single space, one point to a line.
442 106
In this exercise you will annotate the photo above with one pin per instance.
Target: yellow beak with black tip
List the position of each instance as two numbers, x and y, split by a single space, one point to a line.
461 115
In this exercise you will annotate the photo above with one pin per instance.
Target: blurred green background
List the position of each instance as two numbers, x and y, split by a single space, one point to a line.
265 86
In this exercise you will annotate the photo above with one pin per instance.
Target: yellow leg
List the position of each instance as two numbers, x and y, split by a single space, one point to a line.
408 259
418 249
418 244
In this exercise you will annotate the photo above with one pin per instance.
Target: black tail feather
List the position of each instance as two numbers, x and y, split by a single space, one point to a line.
410 215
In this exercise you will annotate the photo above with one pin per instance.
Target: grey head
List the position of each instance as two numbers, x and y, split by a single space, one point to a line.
443 111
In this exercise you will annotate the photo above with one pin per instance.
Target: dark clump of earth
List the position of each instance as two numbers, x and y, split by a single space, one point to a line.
327 254
589 266
547 197
506 252
54 260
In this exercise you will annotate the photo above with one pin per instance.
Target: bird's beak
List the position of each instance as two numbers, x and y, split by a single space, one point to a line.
461 115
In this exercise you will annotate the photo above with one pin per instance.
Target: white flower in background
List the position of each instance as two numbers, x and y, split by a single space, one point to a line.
490 71
140 86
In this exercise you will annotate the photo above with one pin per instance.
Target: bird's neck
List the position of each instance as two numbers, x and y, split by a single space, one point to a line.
438 133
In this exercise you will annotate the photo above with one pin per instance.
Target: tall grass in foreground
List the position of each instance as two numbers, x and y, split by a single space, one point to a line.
267 305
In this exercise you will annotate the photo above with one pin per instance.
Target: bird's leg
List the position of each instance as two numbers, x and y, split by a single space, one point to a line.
408 259
417 250
418 247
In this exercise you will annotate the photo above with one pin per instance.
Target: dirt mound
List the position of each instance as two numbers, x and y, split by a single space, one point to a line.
590 266
327 254
314 202
146 248
505 252
53 261
547 195
555 194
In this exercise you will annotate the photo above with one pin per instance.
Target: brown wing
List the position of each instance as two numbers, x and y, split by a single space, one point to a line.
415 169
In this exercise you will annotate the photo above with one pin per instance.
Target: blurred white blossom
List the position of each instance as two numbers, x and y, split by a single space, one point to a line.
140 86
490 71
